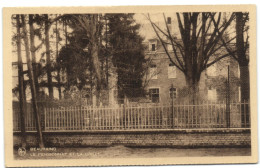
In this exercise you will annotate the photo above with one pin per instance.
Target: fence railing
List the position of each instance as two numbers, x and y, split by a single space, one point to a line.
204 115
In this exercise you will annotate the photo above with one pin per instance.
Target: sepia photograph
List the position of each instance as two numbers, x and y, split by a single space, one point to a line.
164 83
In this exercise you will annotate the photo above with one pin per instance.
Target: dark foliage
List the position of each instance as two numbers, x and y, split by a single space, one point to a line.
128 53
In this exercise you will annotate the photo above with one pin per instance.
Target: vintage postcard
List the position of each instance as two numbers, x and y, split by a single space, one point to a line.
130 85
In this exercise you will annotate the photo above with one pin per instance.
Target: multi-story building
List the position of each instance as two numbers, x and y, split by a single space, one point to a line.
165 82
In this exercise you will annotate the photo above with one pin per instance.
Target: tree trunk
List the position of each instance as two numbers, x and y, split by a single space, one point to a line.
57 54
93 47
193 97
21 82
244 82
48 57
192 82
107 56
245 93
96 65
243 66
59 84
34 64
242 59
32 84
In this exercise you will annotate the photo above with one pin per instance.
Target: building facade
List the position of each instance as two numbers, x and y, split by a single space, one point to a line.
166 83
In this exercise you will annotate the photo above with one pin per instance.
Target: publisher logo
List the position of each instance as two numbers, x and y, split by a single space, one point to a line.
21 151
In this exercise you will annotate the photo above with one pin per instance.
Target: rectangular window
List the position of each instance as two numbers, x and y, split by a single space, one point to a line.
173 93
171 71
153 47
153 72
154 95
212 94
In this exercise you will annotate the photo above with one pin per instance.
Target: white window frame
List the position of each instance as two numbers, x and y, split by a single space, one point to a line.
172 71
150 97
214 93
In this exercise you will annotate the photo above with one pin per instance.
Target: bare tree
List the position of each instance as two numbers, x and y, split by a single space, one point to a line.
48 56
32 83
47 23
239 52
147 74
33 51
57 54
199 46
91 25
243 60
21 81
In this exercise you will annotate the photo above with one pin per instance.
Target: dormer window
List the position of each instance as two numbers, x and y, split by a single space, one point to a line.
153 47
169 20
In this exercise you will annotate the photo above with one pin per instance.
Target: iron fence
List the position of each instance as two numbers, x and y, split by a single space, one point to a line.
178 116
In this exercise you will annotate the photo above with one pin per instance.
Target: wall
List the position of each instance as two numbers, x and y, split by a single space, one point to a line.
217 82
181 138
163 82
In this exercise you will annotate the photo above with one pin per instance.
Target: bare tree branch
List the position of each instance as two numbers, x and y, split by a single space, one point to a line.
213 43
171 39
216 60
163 44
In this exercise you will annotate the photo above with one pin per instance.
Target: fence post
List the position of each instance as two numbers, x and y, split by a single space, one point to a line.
44 119
172 106
173 113
81 119
124 116
249 114
245 117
